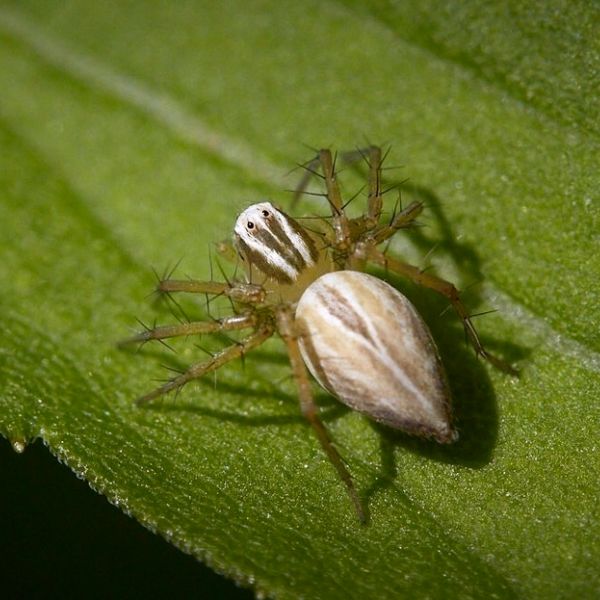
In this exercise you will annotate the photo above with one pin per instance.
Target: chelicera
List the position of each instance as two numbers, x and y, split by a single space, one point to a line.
361 339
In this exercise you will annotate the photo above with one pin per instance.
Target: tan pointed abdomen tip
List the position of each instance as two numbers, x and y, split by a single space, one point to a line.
366 344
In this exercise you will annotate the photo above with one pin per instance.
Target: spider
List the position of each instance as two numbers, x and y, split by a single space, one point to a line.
361 339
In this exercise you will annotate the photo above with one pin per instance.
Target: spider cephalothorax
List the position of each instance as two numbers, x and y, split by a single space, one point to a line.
277 251
361 339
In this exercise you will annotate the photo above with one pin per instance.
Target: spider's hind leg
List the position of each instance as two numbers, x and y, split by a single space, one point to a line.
287 330
447 289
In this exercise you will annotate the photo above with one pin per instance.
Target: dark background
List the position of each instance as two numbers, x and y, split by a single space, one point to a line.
60 539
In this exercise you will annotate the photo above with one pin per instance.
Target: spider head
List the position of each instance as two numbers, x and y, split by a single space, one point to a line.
274 243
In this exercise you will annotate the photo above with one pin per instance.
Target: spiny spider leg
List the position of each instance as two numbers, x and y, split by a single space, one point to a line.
448 290
247 293
405 218
285 323
372 156
375 200
218 360
311 170
231 323
341 226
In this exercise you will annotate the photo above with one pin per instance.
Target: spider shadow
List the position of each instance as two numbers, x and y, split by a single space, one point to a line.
329 408
475 417
474 400
463 255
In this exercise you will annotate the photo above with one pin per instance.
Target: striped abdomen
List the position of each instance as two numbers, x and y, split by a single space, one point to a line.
272 242
365 343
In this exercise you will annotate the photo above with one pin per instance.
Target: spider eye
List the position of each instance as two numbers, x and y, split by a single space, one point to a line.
265 213
250 225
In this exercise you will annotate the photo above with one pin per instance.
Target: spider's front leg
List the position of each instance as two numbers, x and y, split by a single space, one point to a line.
243 293
251 318
400 220
447 289
340 222
246 293
346 230
288 330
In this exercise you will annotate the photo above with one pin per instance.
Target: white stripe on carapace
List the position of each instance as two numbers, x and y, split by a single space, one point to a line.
294 237
259 219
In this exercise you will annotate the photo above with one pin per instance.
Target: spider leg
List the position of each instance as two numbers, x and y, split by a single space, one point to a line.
246 293
375 200
405 218
310 410
373 158
311 168
218 360
340 221
342 225
447 289
233 322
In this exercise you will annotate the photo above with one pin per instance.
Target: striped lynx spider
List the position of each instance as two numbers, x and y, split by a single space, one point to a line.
361 339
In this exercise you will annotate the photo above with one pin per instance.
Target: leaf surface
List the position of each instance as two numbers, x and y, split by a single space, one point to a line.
131 136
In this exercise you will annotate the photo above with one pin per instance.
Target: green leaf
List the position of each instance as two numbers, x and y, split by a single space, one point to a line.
133 133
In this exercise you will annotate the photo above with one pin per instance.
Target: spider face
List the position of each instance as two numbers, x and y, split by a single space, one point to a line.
361 339
277 250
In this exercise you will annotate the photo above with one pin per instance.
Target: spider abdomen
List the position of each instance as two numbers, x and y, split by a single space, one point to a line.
366 344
